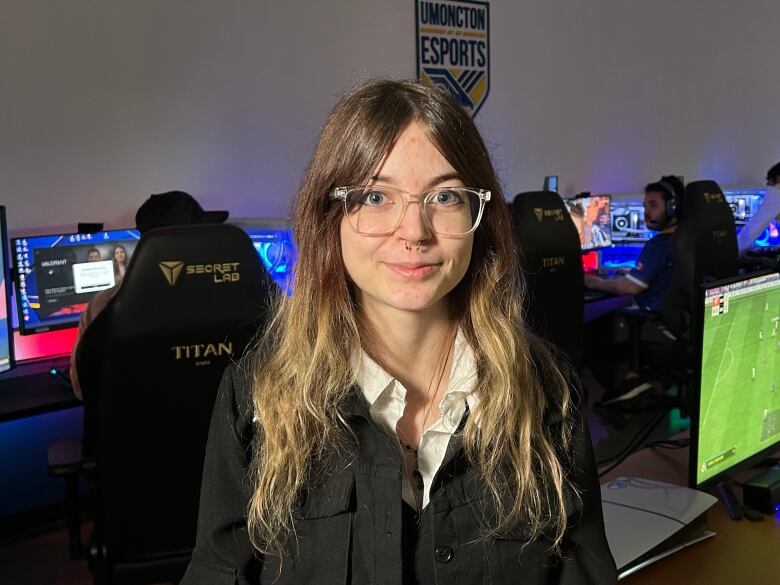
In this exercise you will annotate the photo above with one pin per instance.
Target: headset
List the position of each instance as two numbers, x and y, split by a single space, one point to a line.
672 205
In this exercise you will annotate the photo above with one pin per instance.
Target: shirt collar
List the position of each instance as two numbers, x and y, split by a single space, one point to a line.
374 380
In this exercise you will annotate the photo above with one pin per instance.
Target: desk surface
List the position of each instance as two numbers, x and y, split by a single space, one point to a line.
599 306
30 389
740 552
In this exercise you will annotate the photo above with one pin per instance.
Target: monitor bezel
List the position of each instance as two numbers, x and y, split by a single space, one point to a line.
8 288
695 410
592 196
25 330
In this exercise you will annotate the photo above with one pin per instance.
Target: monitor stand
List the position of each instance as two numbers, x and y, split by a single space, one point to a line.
730 501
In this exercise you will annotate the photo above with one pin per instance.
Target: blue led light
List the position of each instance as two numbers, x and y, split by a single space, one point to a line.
276 251
777 507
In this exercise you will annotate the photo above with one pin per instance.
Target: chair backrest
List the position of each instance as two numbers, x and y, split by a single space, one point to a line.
150 366
704 248
551 258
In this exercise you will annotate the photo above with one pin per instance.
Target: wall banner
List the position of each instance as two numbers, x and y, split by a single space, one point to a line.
453 48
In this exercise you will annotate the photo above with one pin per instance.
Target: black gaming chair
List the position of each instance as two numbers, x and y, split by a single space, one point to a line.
551 258
149 366
704 248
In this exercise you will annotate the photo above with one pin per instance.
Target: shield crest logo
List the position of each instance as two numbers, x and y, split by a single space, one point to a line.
539 212
453 49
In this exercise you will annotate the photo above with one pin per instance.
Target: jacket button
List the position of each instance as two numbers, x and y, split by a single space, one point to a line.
444 554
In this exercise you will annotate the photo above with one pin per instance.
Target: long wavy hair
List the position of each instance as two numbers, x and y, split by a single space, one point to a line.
305 362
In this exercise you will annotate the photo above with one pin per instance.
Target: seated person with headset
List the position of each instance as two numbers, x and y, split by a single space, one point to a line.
769 210
648 280
161 210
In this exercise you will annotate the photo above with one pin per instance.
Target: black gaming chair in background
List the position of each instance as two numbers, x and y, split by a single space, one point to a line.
150 366
551 259
704 249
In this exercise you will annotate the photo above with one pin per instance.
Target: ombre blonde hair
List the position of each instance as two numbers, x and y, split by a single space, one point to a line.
304 363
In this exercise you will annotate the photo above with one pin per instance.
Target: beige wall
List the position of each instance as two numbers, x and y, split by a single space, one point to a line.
103 102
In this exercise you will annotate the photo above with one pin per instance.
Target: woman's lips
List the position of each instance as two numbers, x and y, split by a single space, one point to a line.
412 270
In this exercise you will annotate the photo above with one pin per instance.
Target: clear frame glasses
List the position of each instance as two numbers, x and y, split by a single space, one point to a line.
377 210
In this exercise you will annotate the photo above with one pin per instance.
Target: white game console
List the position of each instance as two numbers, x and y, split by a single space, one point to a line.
646 520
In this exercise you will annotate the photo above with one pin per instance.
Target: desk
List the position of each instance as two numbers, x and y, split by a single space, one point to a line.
29 389
741 552
597 307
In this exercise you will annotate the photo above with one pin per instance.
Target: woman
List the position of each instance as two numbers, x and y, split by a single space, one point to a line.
399 424
120 262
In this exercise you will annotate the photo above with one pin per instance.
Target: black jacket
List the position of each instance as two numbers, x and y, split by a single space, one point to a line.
348 526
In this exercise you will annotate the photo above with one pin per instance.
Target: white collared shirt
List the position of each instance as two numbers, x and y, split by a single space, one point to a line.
386 397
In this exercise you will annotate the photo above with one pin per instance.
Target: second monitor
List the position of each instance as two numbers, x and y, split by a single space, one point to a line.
737 414
591 216
57 275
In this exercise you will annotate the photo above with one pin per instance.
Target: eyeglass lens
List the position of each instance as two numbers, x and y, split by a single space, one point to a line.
450 211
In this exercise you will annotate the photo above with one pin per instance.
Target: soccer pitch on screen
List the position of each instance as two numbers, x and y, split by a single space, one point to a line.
740 399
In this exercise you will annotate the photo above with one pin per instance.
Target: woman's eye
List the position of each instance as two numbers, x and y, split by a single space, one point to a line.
447 198
374 198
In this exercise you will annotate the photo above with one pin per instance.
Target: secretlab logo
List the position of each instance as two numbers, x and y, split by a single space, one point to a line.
541 213
220 271
171 270
713 197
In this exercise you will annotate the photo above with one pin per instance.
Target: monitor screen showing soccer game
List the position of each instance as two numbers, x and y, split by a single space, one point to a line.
739 403
591 216
57 275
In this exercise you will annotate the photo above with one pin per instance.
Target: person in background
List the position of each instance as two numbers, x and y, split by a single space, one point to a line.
647 282
600 233
93 255
769 210
160 210
397 414
649 279
121 259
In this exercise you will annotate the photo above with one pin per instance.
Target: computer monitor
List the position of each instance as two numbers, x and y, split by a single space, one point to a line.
6 328
736 416
57 275
272 238
628 223
592 217
770 237
551 183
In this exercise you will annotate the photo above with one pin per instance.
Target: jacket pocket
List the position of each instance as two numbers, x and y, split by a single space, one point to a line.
318 551
332 497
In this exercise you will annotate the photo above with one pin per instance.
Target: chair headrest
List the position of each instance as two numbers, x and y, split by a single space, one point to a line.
704 201
196 274
545 233
545 207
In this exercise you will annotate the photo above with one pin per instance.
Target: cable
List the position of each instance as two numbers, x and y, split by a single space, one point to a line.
670 444
630 444
640 437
